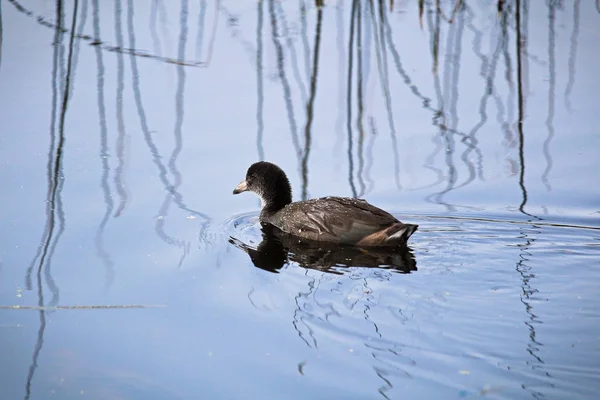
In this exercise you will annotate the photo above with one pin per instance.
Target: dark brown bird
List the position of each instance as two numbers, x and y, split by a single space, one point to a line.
328 219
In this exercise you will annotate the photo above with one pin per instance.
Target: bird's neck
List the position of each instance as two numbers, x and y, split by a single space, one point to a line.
273 203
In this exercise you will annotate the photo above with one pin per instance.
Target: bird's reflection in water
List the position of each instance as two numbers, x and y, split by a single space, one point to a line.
278 248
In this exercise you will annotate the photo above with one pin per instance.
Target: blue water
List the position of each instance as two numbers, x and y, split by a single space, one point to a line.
124 261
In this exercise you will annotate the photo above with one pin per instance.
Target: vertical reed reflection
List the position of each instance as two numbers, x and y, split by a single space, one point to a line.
552 4
287 96
156 158
82 22
451 79
339 121
120 147
104 155
355 5
164 22
54 210
304 36
1 36
360 100
447 139
527 291
201 25
284 32
179 116
521 44
385 82
310 104
572 54
369 165
153 19
260 90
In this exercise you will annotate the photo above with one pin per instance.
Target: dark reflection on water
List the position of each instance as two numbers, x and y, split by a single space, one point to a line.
1 36
123 137
260 96
94 41
109 264
54 205
573 54
177 131
156 157
552 5
277 249
310 104
287 96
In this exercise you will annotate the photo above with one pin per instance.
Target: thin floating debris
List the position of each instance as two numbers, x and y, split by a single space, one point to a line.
81 307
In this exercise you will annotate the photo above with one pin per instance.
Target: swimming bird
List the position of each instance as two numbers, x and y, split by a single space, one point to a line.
330 219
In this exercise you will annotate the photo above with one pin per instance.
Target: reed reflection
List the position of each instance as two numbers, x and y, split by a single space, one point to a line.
1 37
529 236
573 54
104 155
285 34
177 131
122 136
170 188
310 104
287 94
40 19
552 5
201 26
54 206
260 89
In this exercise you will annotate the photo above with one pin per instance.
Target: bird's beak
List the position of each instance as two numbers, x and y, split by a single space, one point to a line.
242 187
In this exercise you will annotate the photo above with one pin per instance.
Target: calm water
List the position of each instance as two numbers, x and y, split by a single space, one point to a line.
124 261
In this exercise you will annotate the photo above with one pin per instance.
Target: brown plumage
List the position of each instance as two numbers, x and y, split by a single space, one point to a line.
328 219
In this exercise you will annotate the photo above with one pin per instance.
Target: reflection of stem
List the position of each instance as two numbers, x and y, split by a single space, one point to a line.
156 158
120 183
99 240
299 312
355 5
1 36
310 104
527 291
521 78
259 82
292 50
106 46
54 188
359 101
40 339
339 122
200 34
551 91
372 137
153 20
454 10
520 101
283 78
385 82
572 54
213 35
179 113
303 33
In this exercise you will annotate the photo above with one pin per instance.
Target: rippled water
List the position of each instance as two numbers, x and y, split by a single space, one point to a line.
128 270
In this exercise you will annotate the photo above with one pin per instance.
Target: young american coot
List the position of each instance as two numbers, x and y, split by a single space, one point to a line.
329 219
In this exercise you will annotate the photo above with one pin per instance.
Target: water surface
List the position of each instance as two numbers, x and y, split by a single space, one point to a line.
126 125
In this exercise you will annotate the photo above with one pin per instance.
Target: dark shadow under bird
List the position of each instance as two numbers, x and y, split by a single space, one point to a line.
278 248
